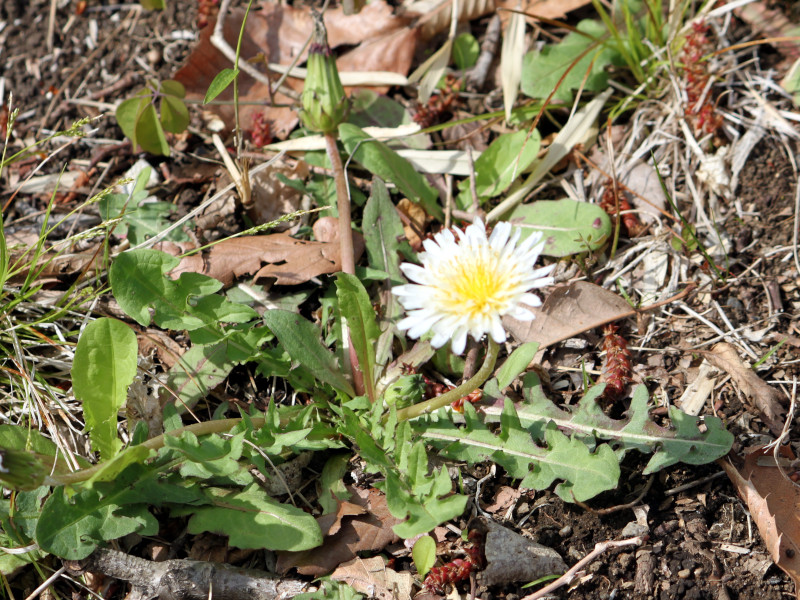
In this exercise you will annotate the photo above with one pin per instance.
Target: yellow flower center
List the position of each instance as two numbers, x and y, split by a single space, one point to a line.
474 285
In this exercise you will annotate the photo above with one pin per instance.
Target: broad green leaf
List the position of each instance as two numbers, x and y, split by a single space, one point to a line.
251 519
127 113
578 59
104 367
516 363
198 371
500 164
426 512
139 284
18 437
331 483
384 162
583 474
424 554
568 226
301 339
356 308
383 232
685 443
153 4
174 114
465 51
173 88
211 456
71 526
220 83
149 134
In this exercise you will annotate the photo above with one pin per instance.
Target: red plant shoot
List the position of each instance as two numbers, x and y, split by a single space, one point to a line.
616 371
261 133
429 114
614 202
458 569
700 109
206 11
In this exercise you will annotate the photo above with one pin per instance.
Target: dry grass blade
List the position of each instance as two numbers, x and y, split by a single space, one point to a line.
511 60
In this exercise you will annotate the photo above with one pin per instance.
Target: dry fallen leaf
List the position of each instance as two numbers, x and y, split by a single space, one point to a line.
370 531
372 577
277 34
774 504
436 13
288 260
767 399
569 311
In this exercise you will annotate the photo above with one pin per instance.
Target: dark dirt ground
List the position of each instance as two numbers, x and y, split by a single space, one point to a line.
703 544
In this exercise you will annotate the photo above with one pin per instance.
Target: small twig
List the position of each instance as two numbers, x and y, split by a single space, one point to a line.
476 77
693 484
599 549
46 584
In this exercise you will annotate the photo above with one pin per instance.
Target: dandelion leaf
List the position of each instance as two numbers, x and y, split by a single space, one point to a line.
683 442
582 473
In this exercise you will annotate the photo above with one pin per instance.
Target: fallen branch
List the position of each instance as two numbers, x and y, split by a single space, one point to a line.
187 579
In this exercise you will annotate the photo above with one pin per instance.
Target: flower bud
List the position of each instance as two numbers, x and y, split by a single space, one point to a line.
325 104
407 390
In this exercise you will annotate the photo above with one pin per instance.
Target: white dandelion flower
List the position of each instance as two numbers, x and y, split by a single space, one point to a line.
466 285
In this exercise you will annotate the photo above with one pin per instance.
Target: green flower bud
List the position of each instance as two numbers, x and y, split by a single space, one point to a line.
325 104
20 470
407 390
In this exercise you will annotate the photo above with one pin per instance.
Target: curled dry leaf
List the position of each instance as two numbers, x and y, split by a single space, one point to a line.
767 399
271 198
372 577
569 311
436 13
288 260
774 501
345 536
277 33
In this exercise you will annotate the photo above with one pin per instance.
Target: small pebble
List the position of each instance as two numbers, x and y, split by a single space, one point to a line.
684 573
565 531
154 57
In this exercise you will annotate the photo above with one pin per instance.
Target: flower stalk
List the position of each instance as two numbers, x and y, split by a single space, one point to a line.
469 386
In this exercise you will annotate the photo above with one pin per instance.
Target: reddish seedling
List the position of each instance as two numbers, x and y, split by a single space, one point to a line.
700 109
617 366
615 203
458 569
261 132
431 113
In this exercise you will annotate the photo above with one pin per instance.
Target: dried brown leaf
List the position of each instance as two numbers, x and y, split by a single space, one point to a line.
774 502
767 399
289 261
569 311
372 577
371 531
437 12
277 34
